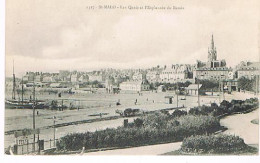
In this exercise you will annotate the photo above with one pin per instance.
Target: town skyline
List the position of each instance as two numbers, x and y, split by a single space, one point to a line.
71 69
22 73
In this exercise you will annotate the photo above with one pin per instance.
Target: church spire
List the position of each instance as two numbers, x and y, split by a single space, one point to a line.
212 52
212 43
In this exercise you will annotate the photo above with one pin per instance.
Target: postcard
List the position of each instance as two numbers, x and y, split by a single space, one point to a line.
131 78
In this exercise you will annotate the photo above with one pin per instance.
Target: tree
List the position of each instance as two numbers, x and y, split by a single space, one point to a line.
208 84
245 84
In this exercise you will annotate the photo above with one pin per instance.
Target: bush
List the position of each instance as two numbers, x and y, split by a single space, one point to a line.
178 113
194 111
226 107
155 120
159 127
226 104
213 144
138 122
156 128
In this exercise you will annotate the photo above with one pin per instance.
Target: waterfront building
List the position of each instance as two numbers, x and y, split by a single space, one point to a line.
25 78
30 76
139 76
248 70
98 76
213 69
134 86
64 75
176 73
83 78
38 77
74 77
219 73
153 76
47 79
120 78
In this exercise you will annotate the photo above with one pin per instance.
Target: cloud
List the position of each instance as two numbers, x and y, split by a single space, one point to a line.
52 35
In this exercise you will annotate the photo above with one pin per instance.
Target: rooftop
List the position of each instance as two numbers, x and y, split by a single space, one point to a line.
193 86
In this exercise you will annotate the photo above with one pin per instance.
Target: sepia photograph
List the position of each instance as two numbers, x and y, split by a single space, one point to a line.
131 78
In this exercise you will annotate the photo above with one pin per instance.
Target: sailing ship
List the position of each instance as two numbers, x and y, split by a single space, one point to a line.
22 104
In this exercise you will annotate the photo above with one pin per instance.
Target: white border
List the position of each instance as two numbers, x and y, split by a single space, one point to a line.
93 159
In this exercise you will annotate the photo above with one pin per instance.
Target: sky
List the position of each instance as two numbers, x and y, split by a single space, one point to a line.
52 35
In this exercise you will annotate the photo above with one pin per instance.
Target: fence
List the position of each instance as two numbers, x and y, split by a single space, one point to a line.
26 147
49 144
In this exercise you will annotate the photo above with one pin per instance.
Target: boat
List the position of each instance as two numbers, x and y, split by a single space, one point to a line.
22 104
16 104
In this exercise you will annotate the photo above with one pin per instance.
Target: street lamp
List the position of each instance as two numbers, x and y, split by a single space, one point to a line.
54 118
177 95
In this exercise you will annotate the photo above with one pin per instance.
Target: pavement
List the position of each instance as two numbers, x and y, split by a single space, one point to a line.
241 125
143 150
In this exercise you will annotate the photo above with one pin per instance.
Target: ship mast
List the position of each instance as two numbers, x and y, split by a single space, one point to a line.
198 94
13 93
34 103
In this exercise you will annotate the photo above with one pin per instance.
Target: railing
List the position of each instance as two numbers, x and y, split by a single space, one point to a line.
49 144
28 148
33 148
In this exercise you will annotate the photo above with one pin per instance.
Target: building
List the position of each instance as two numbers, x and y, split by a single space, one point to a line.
161 88
25 78
248 70
134 86
153 76
229 85
176 73
38 77
168 99
96 76
213 69
74 78
139 76
47 79
64 75
30 76
83 78
218 73
192 89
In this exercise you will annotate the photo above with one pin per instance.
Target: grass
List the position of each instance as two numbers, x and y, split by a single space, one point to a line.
255 121
215 145
250 150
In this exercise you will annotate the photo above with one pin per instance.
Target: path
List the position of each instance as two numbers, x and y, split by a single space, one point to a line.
143 150
240 125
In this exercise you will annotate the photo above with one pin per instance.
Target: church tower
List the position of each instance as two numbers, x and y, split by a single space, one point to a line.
212 51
